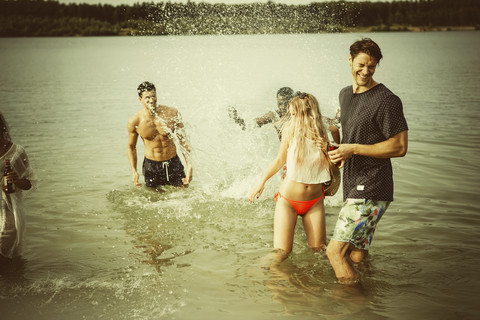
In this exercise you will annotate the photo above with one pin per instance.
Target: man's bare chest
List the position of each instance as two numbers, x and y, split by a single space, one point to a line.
157 129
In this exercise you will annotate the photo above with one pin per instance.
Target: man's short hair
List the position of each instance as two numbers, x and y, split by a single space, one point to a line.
145 86
285 92
368 46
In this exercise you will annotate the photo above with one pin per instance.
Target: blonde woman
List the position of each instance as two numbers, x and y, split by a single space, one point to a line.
303 149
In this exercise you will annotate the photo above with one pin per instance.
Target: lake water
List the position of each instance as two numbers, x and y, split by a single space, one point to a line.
97 248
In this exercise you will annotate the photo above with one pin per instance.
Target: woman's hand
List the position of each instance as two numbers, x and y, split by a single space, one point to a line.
256 191
12 177
23 184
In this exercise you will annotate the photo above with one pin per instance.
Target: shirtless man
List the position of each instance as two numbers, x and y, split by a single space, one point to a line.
284 95
157 125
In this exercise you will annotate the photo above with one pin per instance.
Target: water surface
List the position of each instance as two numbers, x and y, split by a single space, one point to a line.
97 248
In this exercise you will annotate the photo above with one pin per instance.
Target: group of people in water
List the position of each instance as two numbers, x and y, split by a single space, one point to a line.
373 130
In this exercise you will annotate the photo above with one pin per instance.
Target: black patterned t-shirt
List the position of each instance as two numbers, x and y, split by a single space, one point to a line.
369 118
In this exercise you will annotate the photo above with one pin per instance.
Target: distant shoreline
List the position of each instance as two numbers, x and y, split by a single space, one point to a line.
400 28
131 32
382 28
372 29
49 18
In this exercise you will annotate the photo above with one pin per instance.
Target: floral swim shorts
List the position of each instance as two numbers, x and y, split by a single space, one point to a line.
357 221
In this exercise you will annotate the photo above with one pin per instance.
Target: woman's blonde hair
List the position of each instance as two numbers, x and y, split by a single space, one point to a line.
303 122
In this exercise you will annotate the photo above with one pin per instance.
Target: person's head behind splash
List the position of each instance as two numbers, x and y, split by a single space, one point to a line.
284 95
304 123
4 131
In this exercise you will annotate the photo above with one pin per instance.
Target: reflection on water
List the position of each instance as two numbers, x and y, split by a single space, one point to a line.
153 231
188 236
12 271
302 285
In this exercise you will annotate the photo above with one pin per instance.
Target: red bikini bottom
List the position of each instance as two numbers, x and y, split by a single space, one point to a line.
300 207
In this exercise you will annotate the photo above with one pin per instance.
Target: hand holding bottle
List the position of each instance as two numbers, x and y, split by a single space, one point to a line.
12 181
10 178
332 145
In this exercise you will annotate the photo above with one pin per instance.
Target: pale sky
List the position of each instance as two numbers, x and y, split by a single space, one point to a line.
131 2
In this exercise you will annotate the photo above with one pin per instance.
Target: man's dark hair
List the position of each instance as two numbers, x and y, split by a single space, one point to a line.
368 46
145 86
285 92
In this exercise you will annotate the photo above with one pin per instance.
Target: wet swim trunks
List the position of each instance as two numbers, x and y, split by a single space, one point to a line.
161 173
358 220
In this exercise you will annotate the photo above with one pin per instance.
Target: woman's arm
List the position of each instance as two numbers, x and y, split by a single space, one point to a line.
273 168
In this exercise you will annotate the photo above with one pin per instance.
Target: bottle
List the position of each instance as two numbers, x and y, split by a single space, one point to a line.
8 187
332 145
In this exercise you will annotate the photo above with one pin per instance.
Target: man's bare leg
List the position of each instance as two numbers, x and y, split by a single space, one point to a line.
338 254
358 255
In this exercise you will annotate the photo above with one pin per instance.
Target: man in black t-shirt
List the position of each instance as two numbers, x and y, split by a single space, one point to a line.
374 130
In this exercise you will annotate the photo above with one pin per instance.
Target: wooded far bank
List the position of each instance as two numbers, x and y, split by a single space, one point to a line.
33 18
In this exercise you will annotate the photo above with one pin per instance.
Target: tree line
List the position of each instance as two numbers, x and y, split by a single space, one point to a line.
20 18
